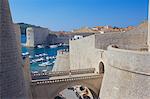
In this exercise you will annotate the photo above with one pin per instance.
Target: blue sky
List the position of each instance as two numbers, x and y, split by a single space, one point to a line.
71 14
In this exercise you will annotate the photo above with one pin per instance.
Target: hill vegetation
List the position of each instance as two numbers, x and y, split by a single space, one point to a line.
24 26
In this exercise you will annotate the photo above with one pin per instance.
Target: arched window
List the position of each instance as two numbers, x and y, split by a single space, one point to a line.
101 68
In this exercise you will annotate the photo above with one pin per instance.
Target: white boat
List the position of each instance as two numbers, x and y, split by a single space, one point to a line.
39 59
60 44
36 55
49 64
34 72
53 46
53 57
50 57
40 46
47 58
25 54
42 65
41 55
53 62
34 61
30 56
44 54
65 44
45 64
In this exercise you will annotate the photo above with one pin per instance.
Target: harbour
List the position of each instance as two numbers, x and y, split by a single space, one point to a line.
42 59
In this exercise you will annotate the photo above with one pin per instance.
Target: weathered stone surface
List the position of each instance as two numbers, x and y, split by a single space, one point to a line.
62 61
48 89
126 75
11 73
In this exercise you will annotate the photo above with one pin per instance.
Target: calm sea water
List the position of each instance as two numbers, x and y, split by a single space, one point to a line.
35 51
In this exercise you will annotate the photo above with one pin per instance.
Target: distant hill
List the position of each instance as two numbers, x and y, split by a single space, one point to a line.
24 26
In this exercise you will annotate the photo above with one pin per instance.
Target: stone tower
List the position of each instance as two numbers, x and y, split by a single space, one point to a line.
12 84
30 37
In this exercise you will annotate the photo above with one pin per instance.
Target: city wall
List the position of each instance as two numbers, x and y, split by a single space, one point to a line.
36 35
83 54
126 75
57 39
40 35
133 40
90 51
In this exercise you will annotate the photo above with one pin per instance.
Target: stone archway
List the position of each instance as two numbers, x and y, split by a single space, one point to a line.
101 68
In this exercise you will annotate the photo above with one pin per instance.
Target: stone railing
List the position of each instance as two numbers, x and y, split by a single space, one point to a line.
61 73
82 71
51 81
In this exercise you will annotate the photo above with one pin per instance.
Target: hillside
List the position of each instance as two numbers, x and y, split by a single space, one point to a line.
24 26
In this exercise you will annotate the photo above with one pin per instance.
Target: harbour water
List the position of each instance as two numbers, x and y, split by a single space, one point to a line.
49 52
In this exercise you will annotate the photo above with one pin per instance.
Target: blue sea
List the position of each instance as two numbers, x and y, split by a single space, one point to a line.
51 52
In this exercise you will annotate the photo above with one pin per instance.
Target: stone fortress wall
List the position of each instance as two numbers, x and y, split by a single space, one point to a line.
41 35
36 35
57 39
127 69
87 52
126 62
126 75
83 53
133 40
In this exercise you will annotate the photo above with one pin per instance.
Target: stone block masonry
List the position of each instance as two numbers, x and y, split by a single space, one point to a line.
11 74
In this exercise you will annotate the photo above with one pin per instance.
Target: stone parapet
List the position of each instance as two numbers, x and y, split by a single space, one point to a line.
134 61
126 75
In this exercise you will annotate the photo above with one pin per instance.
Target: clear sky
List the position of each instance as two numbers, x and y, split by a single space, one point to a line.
71 14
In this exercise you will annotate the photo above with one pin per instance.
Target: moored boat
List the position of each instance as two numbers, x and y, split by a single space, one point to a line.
53 46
